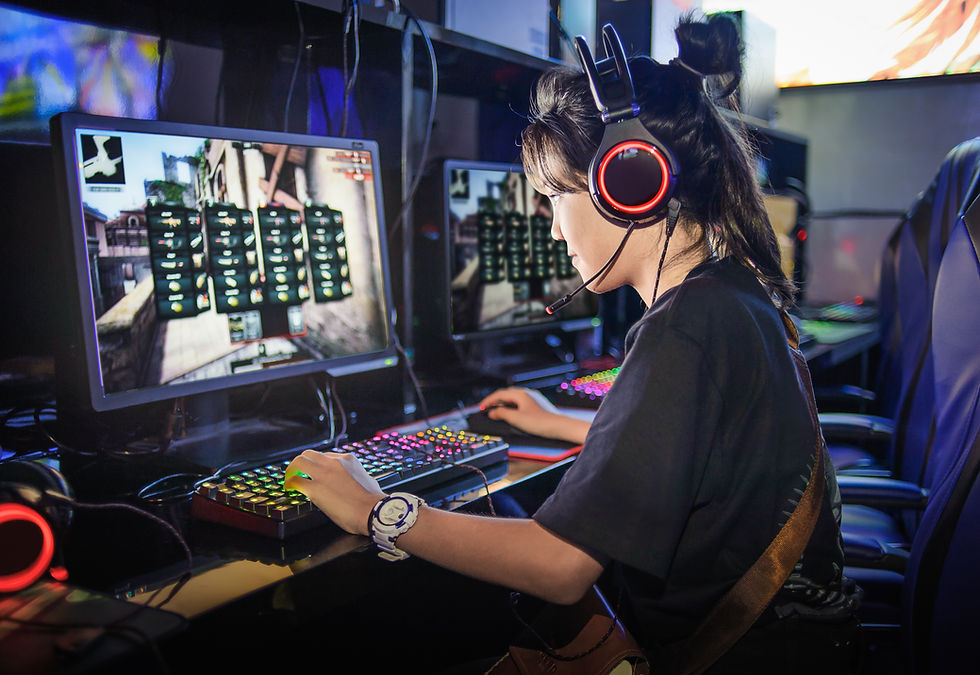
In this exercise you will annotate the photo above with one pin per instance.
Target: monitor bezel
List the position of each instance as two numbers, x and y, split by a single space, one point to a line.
83 347
567 325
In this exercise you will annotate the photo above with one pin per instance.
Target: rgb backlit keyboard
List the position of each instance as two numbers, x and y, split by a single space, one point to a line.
429 463
585 391
842 311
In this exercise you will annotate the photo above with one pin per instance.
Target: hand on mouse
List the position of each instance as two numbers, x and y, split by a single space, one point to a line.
338 485
530 411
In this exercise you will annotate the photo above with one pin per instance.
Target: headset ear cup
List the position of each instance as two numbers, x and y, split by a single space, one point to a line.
632 176
35 514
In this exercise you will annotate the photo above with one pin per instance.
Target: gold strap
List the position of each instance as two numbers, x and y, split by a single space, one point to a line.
739 608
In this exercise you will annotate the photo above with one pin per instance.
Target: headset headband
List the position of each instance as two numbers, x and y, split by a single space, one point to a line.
614 97
633 174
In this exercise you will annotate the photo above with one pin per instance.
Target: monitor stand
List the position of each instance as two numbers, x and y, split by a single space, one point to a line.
205 435
520 361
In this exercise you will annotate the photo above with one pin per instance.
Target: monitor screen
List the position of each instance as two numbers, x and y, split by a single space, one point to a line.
504 266
208 257
48 65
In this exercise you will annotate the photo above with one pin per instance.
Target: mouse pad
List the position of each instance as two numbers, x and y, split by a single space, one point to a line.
522 445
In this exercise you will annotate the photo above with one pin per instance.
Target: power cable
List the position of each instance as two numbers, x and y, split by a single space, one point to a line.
423 157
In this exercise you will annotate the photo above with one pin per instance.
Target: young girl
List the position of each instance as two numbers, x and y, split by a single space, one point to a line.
705 442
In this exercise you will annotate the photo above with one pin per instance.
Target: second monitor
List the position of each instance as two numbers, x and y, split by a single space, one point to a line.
488 266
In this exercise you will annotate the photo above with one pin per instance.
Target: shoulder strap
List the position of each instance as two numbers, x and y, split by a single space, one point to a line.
739 608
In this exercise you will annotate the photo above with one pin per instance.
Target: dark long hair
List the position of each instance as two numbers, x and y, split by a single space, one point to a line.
722 201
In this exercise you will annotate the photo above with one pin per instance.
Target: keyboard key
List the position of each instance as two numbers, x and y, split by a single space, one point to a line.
424 463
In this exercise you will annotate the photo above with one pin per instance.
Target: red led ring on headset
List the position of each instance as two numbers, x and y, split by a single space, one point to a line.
633 145
27 576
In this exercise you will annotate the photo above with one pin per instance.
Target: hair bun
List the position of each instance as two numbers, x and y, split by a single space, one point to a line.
712 47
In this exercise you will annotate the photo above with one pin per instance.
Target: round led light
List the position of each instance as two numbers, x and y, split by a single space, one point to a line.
632 196
16 579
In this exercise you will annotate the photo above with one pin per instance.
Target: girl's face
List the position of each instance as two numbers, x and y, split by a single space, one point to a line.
591 239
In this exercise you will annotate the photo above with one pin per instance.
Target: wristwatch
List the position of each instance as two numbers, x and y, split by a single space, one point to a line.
390 518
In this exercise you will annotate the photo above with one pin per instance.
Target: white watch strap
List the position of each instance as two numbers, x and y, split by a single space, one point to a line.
384 535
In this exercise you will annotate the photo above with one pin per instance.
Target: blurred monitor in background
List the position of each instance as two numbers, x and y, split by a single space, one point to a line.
50 65
843 257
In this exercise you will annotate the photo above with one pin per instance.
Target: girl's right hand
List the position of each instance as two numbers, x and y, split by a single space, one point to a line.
530 411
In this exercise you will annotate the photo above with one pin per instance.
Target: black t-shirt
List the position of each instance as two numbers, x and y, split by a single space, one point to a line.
697 456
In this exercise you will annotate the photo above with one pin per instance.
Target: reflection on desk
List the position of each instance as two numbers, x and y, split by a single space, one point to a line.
249 564
52 627
231 563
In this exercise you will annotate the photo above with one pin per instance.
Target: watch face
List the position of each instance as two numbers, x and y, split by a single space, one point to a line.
393 511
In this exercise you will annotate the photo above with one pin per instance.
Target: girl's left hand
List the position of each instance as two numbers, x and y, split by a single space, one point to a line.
338 485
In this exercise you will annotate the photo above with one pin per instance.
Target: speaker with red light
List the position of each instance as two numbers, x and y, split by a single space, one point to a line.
633 174
35 512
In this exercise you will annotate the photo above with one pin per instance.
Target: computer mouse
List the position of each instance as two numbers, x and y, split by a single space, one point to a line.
501 404
480 423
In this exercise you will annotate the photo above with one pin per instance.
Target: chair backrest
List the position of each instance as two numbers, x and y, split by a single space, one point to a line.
920 246
942 586
888 383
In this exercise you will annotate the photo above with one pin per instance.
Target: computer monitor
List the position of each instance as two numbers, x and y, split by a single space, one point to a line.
504 266
50 64
491 267
205 258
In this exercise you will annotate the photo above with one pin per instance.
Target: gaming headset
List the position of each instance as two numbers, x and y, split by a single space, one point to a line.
35 512
633 175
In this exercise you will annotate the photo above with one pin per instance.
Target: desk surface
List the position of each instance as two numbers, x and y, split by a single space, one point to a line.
241 591
835 342
249 600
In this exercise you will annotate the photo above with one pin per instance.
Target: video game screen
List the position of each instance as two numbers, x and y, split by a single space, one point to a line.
211 257
505 267
50 64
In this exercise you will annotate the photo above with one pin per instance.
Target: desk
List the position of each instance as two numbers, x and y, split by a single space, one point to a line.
834 343
251 603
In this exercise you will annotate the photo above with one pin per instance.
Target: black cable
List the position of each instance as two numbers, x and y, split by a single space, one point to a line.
17 430
147 640
326 406
323 101
218 91
153 493
61 446
551 651
153 449
114 626
423 157
301 45
174 590
161 52
129 507
562 32
343 413
673 210
169 494
415 381
352 18
428 422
